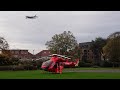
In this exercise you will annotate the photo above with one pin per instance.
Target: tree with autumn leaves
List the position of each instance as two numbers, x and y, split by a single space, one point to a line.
65 44
112 48
6 56
4 46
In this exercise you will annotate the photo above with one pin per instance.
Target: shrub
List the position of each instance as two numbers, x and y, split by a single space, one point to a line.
14 61
4 60
5 68
95 66
83 64
15 68
106 64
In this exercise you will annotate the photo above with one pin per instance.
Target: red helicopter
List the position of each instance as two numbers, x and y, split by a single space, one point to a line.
57 63
71 64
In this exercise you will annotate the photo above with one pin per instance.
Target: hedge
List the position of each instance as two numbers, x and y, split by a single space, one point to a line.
22 67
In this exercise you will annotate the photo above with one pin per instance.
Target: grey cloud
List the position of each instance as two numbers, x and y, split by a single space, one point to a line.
33 34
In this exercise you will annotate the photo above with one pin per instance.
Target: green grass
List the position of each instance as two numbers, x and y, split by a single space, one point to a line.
40 74
90 68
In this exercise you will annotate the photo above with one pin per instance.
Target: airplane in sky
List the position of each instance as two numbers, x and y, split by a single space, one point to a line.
31 17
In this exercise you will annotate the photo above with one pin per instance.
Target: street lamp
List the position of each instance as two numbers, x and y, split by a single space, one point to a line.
33 52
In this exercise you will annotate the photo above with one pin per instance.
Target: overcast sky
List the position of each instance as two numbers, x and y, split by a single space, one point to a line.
32 34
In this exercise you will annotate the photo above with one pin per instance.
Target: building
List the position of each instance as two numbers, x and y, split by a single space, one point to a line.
86 53
0 51
30 56
43 53
18 53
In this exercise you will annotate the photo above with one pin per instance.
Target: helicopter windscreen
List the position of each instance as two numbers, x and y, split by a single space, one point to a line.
47 63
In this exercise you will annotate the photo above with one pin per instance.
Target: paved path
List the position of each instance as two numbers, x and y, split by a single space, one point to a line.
91 71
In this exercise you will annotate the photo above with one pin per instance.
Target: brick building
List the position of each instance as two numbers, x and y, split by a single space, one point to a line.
86 53
18 53
43 53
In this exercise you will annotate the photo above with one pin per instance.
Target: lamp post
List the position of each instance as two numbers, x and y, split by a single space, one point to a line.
59 50
33 52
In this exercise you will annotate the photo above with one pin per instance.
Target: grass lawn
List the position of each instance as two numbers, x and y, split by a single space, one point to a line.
40 74
90 68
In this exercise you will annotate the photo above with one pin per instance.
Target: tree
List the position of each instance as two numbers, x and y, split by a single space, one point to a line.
96 47
74 53
4 60
3 44
62 43
112 50
4 57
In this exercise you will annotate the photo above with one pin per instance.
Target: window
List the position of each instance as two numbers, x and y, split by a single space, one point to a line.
16 56
22 52
85 50
44 52
16 52
86 46
25 52
12 52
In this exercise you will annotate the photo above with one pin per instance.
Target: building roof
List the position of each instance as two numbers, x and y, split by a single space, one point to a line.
43 53
86 43
17 50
